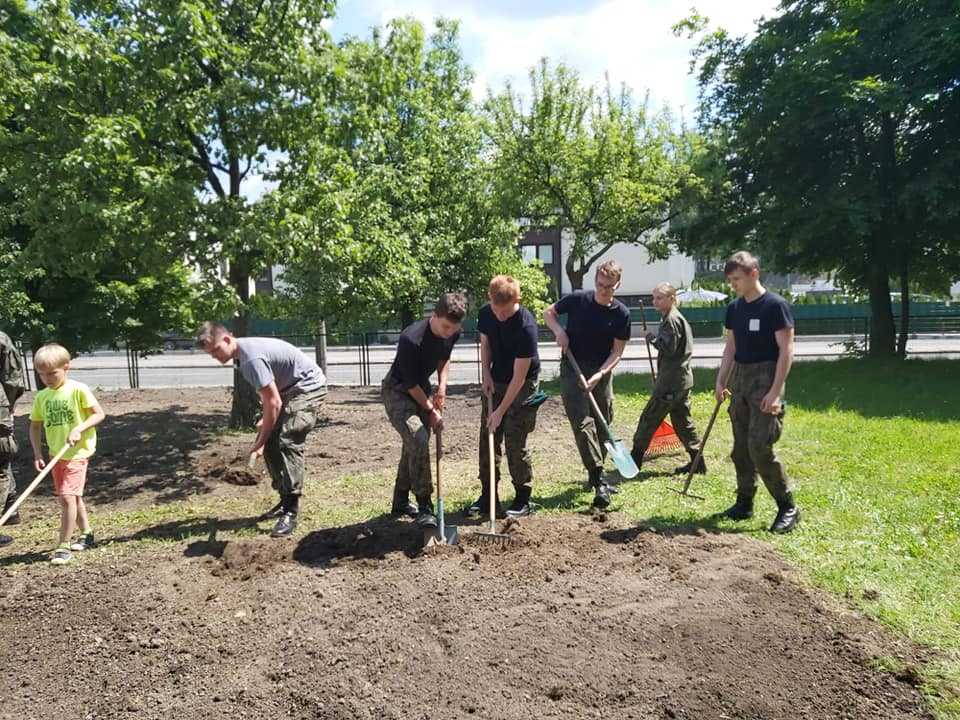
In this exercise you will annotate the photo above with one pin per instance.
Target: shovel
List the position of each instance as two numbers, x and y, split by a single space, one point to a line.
618 451
444 534
33 486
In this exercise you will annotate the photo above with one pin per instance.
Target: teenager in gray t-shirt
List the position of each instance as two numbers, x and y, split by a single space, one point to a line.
291 388
265 360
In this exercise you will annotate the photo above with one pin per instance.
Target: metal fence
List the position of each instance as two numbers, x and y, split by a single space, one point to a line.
364 358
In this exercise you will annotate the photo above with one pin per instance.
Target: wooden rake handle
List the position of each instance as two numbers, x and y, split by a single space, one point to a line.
33 486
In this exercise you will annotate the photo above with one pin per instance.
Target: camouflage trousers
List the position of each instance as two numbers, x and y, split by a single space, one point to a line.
517 424
755 432
676 404
409 419
284 451
579 412
8 450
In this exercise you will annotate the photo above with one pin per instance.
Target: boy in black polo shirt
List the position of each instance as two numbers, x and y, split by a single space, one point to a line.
424 347
598 327
510 366
760 342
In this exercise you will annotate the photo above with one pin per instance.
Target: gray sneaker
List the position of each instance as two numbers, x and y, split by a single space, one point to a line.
61 556
84 542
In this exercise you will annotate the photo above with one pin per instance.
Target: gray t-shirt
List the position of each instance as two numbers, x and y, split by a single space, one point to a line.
266 360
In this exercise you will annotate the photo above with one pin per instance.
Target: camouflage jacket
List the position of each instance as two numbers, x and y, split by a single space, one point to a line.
674 344
11 378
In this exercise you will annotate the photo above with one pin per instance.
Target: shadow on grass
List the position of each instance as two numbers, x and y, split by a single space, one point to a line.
670 526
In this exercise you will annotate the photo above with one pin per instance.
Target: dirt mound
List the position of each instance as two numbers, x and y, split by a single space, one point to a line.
584 619
232 475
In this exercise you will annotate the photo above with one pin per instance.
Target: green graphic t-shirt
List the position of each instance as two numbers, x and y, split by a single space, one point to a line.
62 409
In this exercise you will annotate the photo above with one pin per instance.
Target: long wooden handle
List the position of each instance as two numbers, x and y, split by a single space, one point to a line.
643 319
706 434
33 486
593 401
439 452
492 489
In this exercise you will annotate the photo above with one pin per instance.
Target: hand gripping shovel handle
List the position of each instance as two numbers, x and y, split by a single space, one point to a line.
33 486
593 401
643 320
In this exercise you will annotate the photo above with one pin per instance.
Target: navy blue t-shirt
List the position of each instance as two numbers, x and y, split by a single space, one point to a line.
419 352
754 325
515 338
593 327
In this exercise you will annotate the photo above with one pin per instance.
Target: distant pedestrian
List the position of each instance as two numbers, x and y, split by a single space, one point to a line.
11 384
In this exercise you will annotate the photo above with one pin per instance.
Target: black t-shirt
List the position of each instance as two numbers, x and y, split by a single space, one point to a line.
754 325
515 338
593 327
419 352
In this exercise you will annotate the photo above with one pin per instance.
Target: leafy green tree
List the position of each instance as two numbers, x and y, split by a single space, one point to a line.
389 200
140 125
836 126
592 162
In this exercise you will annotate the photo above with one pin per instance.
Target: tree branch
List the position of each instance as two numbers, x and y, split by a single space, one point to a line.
203 159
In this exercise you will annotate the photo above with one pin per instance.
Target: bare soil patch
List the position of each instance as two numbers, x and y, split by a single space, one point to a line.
583 616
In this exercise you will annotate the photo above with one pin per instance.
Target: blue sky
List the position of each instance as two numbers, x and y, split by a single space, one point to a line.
629 39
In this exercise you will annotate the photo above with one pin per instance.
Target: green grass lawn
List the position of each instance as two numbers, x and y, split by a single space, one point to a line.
873 449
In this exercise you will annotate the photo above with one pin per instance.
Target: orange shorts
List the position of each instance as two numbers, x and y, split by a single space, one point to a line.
69 477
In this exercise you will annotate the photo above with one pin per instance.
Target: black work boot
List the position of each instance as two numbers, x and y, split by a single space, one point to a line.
788 515
401 506
602 491
287 522
425 517
520 507
5 540
15 518
637 457
742 509
701 468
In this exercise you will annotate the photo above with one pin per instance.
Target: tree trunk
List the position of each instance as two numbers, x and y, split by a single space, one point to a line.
882 330
320 346
574 273
904 309
246 402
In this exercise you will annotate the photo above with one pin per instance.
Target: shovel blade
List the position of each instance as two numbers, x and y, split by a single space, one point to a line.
622 459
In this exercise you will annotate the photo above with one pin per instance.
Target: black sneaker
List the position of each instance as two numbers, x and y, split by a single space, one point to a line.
285 525
519 508
685 469
481 508
601 499
84 542
5 540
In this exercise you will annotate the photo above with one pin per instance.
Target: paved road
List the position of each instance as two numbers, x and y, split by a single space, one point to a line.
186 368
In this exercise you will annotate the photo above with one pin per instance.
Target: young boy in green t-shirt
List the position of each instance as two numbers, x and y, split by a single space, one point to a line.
67 412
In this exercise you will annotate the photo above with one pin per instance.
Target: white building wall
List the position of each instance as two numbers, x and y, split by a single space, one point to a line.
640 275
955 290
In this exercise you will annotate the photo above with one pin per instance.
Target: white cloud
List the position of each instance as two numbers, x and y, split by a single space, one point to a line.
629 39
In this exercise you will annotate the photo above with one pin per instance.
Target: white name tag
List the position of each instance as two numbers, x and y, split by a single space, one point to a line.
754 324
